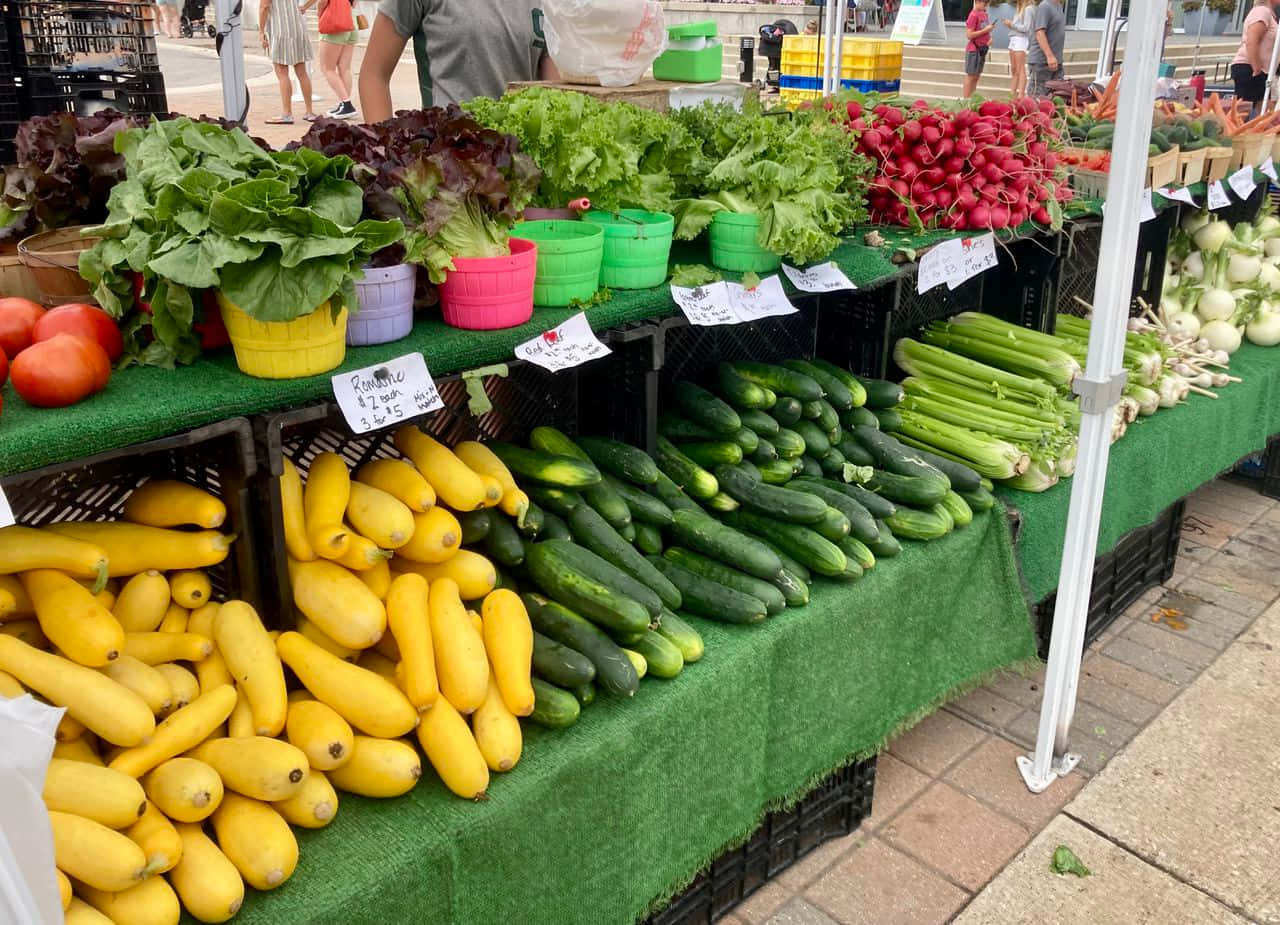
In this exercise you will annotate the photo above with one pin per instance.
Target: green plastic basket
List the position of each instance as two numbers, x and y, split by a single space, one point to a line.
637 245
734 247
569 259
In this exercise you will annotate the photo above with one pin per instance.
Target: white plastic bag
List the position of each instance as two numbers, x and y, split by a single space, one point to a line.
611 42
28 886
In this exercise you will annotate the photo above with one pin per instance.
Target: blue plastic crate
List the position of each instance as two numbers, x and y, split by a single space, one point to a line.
815 83
886 86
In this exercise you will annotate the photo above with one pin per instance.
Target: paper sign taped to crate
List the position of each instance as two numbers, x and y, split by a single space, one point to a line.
386 393
1242 182
1268 167
1146 209
6 512
826 277
1218 198
766 300
564 346
955 261
705 305
1178 195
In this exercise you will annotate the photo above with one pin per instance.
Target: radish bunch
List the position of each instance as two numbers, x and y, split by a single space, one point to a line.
988 166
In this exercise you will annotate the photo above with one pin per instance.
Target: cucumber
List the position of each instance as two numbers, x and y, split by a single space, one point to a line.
590 530
555 500
960 512
908 489
610 505
747 439
889 419
764 452
710 455
826 417
704 534
988 484
475 525
835 391
736 390
722 503
862 526
503 544
773 599
832 463
625 639
710 599
858 552
781 503
648 539
811 410
852 571
703 408
555 528
799 571
961 477
553 706
533 521
644 507
787 411
941 510
556 443
816 443
670 494
886 545
881 394
876 506
558 664
586 693
577 559
979 499
892 456
546 468
503 579
911 524
834 526
788 443
779 471
814 551
600 496
857 394
586 594
637 662
682 430
859 417
557 622
807 465
780 379
661 655
750 468
793 588
854 452
677 631
697 481
770 399
620 459
763 424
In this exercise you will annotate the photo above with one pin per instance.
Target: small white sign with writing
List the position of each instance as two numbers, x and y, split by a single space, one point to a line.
977 255
386 393
1269 168
1242 182
564 346
767 299
1218 198
939 265
1146 209
1178 195
6 512
825 277
705 305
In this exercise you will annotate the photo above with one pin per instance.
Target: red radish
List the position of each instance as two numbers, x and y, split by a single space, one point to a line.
912 131
1042 216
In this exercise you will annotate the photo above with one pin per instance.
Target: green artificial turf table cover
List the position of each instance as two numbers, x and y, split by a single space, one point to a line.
601 821
1159 460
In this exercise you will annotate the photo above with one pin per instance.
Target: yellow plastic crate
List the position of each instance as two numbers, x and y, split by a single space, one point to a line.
888 71
846 73
792 97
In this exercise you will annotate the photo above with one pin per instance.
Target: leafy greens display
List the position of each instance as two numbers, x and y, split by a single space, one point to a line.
279 233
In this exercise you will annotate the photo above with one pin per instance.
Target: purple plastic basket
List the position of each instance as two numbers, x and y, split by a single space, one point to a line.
385 296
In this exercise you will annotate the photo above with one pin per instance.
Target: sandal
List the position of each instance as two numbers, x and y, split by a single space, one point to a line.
310 117
280 120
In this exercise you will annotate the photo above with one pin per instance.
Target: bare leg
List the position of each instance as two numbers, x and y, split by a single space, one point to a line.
330 55
347 52
286 90
970 84
304 82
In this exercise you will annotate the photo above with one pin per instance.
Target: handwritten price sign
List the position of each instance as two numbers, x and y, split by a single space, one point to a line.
825 277
764 301
571 344
385 394
705 305
955 261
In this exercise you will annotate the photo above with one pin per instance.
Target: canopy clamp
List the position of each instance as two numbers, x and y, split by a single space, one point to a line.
1097 396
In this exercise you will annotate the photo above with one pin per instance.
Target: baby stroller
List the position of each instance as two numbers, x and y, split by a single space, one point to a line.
193 19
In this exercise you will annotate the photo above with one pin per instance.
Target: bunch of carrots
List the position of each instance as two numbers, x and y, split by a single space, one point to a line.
1234 116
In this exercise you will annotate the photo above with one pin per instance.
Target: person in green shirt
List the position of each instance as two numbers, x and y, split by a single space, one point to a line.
464 48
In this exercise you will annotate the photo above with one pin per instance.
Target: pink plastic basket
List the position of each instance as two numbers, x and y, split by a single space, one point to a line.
484 293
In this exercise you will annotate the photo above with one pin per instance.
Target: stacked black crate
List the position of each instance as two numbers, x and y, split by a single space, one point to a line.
10 108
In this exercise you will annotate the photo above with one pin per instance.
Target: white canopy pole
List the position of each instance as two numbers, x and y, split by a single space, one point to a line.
831 25
1271 73
230 45
1099 389
1108 44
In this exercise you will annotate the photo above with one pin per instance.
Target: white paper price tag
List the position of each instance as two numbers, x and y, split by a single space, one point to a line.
705 305
1242 182
1178 195
1147 211
767 299
6 512
939 265
1218 198
1269 168
826 277
569 344
381 395
976 255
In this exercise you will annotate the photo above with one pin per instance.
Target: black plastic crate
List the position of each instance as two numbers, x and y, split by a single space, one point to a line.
1148 268
87 93
1243 210
1023 287
833 809
218 458
616 393
526 397
1142 559
1081 251
1270 485
78 36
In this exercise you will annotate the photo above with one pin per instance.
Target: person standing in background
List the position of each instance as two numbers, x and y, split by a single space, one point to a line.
338 37
284 38
1253 57
1045 55
169 18
1019 41
977 29
464 48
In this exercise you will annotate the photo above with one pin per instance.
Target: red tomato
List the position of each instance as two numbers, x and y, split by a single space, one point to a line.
17 318
60 371
84 321
4 367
